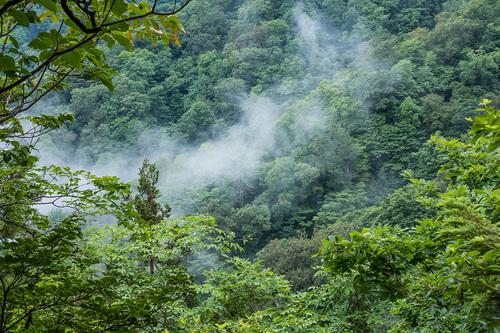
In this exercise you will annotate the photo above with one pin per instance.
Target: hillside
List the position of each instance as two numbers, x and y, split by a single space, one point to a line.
278 116
252 166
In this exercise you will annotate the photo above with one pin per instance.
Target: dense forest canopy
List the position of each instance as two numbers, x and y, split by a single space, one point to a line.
285 122
278 116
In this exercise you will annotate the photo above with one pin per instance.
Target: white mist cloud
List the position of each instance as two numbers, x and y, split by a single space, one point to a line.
235 155
319 44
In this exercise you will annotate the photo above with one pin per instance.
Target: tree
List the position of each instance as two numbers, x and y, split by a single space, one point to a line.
253 220
145 202
155 298
247 298
479 69
443 274
293 258
150 211
47 281
196 122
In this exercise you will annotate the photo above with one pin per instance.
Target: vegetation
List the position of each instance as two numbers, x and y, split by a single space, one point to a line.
281 143
278 130
443 274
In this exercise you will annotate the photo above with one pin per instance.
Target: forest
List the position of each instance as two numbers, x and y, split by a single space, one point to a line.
250 166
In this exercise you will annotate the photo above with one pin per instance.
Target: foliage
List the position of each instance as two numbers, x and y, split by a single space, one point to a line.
250 299
400 208
442 274
155 295
56 276
45 273
487 125
68 45
295 259
359 87
145 201
48 279
292 258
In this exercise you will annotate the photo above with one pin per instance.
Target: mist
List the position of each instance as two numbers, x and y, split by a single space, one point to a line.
237 153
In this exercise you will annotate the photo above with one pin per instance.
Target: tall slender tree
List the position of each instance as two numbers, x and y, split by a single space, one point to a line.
145 202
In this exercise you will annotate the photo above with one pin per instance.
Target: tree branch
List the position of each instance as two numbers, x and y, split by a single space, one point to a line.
9 4
74 19
47 62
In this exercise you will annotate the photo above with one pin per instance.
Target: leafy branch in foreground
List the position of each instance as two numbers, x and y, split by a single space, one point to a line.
43 268
68 48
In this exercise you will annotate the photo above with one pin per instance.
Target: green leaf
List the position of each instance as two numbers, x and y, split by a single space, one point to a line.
39 44
494 267
44 55
145 21
108 83
123 41
494 145
71 24
174 39
122 26
110 41
165 23
119 7
165 41
173 20
7 157
7 63
55 18
20 17
155 24
174 29
468 307
14 42
74 59
49 4
45 15
146 8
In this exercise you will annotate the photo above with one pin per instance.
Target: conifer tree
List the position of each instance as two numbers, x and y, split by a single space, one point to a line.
145 202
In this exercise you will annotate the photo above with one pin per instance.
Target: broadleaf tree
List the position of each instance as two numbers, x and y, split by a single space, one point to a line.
441 275
155 298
